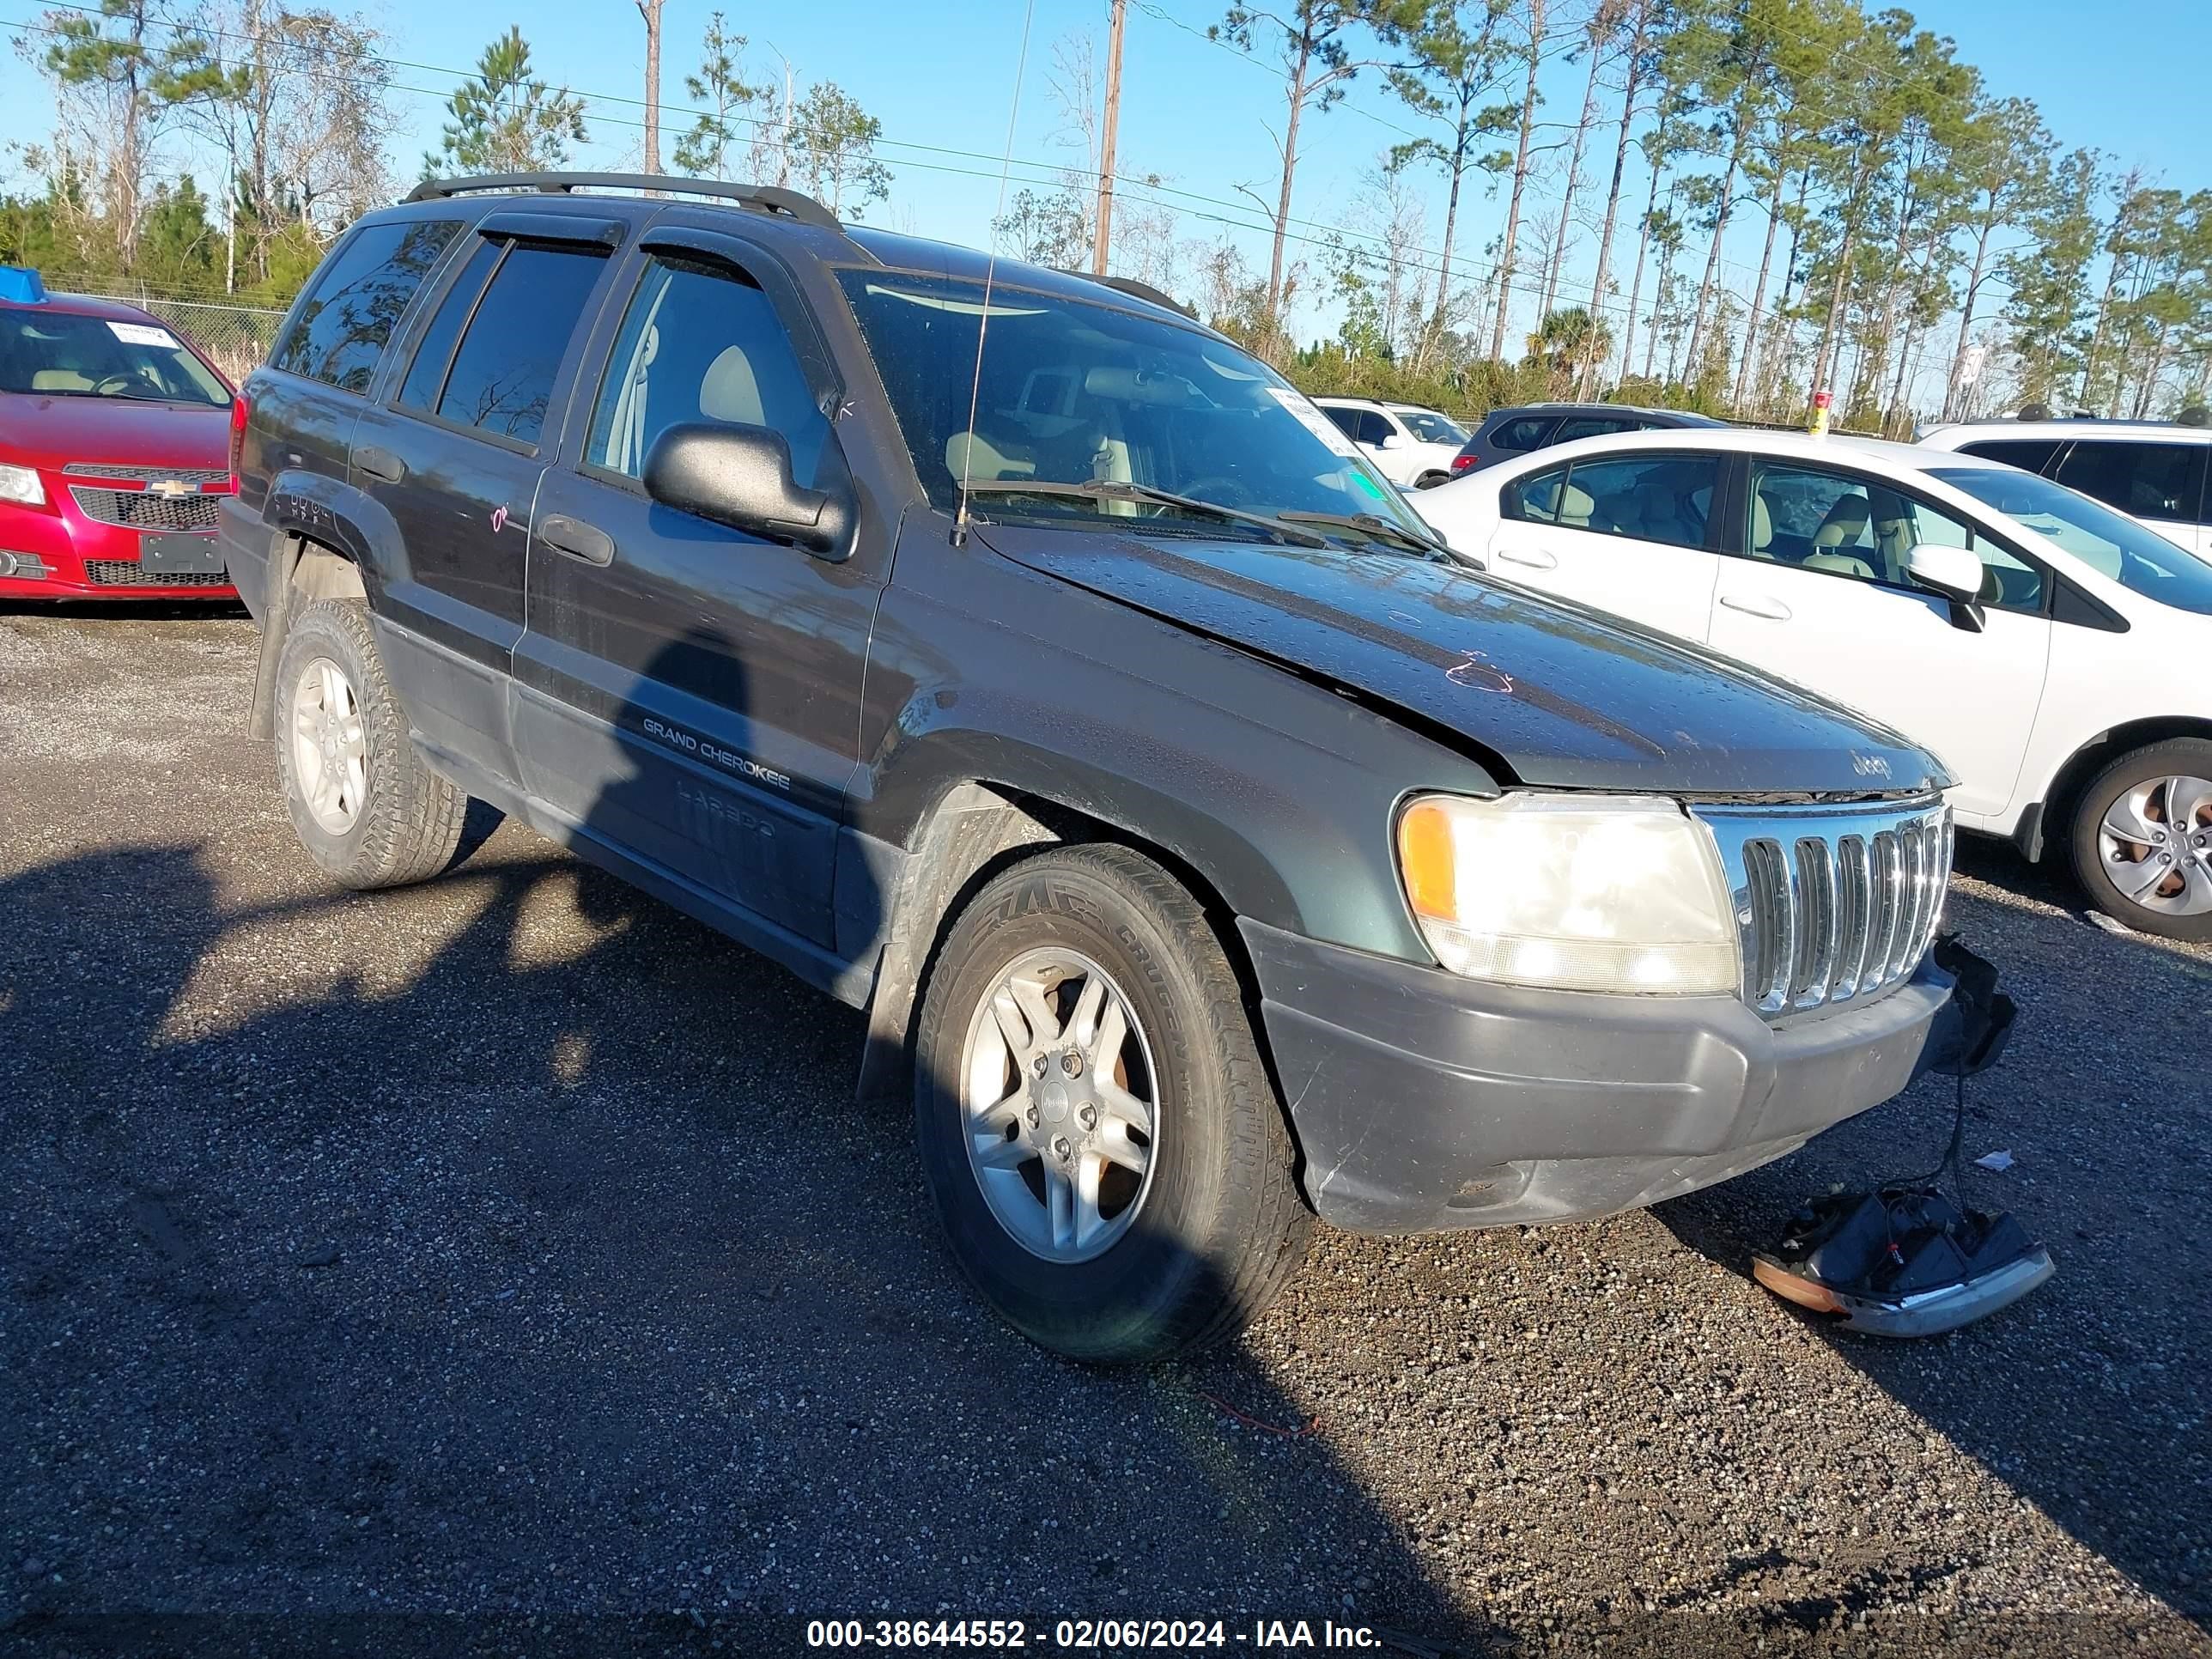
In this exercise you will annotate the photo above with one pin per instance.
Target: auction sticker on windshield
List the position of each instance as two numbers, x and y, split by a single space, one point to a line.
143 334
1312 419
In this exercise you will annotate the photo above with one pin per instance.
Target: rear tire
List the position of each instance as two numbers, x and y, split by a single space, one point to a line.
1191 1230
364 803
2143 839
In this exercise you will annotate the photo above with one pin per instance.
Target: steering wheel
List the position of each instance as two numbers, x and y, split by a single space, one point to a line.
1220 488
117 382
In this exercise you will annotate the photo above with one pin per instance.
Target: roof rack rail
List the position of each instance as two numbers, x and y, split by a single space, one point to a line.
764 198
1145 291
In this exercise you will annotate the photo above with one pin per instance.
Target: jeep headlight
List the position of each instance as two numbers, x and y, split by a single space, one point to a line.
21 483
1572 892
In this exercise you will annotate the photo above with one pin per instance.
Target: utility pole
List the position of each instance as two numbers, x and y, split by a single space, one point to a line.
1103 238
650 11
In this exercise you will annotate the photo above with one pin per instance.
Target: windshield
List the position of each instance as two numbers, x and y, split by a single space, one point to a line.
2110 544
1076 393
59 354
1428 425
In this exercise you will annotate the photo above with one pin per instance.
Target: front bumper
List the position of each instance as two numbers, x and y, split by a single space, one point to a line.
59 552
1423 1101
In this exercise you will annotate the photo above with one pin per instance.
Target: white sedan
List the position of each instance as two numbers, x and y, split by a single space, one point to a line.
2049 650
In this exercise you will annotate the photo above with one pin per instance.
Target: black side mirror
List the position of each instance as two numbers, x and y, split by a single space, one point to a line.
740 476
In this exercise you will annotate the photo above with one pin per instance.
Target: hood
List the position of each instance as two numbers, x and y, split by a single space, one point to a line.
1564 697
46 431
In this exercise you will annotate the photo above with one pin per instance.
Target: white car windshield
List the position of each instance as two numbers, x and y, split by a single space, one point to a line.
1430 427
2110 544
1099 408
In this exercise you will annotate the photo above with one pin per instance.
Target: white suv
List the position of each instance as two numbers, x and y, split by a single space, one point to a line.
1413 446
2151 471
2049 650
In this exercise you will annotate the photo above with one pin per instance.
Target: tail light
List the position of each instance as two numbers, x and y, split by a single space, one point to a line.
1462 464
241 411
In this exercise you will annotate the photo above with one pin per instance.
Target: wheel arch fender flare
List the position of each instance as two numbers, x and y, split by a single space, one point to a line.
326 540
2050 818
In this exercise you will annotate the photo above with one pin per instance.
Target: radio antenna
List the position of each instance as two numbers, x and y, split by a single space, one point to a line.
990 271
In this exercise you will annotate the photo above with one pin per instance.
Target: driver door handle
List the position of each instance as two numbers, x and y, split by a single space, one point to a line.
379 464
1757 604
577 539
1534 558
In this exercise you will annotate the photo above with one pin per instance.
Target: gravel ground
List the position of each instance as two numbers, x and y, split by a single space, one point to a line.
511 1247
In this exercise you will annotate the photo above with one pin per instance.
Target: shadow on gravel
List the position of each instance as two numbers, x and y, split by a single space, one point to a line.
567 1277
129 611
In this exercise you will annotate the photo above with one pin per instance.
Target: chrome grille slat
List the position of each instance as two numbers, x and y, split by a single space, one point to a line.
190 475
1854 887
1833 906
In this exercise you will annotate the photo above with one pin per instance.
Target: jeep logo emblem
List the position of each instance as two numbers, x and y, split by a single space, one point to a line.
1870 766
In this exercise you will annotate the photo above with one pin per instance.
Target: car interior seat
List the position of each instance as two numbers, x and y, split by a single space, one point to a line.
1762 528
730 391
1843 525
970 455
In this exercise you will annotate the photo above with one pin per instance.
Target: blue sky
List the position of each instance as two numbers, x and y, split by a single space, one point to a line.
2129 82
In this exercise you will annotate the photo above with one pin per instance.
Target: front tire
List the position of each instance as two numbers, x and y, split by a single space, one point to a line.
1102 1143
2143 839
364 803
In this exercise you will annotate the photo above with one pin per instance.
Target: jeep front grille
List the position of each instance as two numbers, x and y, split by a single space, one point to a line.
1833 905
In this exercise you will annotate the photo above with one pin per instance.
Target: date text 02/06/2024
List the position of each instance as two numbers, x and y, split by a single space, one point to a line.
1088 1635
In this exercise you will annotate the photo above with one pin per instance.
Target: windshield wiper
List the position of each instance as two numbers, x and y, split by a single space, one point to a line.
1372 524
1118 489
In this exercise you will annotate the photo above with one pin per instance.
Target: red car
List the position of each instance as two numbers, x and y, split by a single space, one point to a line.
115 452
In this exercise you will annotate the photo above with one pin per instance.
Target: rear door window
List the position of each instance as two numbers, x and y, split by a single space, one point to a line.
1347 420
426 375
1647 497
502 378
2163 482
357 299
2029 455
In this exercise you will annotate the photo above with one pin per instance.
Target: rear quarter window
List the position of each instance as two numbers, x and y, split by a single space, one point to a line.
357 299
1525 431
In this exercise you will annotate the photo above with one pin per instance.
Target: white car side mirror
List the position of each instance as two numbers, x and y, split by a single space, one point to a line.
1388 440
1954 572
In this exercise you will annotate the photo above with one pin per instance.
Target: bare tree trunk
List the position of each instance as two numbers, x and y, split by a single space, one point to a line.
1635 288
650 11
1613 197
1434 334
1751 322
1713 257
1519 182
1967 310
1574 187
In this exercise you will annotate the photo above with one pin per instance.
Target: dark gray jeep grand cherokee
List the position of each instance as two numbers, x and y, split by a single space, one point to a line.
1015 658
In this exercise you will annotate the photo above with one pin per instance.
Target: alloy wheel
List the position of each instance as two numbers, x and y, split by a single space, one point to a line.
1058 1106
330 745
2155 845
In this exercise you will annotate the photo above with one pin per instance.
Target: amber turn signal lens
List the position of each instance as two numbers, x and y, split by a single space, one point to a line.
1424 853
